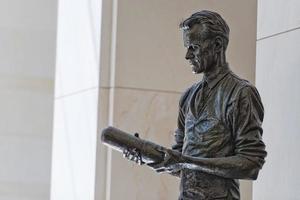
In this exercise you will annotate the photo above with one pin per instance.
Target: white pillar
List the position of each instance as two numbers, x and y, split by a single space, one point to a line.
278 79
76 100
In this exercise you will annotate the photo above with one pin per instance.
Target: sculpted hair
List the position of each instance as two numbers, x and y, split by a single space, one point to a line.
214 25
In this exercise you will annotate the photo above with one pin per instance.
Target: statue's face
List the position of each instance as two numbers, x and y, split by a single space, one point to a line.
200 52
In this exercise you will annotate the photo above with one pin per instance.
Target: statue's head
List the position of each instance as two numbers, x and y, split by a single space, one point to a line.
206 36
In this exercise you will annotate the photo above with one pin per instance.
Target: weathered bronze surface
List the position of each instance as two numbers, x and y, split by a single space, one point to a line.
219 136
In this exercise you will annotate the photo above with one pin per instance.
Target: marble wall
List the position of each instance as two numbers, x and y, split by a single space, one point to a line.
143 73
277 79
27 52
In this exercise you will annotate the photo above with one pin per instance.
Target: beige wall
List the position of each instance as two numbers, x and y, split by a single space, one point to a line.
27 62
143 72
277 79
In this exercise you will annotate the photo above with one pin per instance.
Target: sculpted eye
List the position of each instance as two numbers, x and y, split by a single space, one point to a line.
195 47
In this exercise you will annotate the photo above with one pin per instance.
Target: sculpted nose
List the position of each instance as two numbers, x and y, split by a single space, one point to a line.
189 55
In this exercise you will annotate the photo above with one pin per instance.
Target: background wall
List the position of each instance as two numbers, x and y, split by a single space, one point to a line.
27 52
277 77
143 73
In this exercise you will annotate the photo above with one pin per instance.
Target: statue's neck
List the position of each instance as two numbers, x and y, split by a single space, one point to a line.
216 67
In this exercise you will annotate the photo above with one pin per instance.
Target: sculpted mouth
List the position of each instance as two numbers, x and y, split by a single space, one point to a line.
193 62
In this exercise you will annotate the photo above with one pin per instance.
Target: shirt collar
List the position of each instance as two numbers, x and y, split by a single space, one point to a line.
214 78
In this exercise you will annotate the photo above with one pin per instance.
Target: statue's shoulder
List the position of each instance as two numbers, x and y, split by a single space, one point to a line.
187 93
239 82
242 86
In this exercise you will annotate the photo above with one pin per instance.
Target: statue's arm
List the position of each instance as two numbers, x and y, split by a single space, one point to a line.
179 132
234 167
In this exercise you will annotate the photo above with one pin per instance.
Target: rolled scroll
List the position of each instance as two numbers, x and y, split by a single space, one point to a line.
120 141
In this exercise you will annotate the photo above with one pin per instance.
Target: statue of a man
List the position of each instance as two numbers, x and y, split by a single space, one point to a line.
219 134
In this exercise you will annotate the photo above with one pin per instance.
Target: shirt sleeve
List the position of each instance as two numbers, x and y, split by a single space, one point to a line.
248 114
179 132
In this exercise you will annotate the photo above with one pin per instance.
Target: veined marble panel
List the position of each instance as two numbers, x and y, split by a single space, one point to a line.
153 115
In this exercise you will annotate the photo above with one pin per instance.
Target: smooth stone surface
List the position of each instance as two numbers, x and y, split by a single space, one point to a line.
275 16
29 14
27 51
26 108
74 146
101 158
278 82
78 46
26 136
24 191
20 171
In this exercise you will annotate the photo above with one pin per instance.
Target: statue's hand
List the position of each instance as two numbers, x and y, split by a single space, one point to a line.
133 154
172 162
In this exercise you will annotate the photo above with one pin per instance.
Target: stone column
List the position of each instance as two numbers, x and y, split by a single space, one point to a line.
277 79
76 100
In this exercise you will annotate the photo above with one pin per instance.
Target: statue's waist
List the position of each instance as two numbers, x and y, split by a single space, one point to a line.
198 185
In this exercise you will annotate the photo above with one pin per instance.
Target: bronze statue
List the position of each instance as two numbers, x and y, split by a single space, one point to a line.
219 136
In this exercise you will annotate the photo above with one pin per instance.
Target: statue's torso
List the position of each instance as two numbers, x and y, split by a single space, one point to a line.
208 134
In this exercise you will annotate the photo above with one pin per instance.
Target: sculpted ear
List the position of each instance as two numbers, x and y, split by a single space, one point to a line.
218 44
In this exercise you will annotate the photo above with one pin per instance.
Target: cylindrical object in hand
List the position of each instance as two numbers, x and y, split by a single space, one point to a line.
120 141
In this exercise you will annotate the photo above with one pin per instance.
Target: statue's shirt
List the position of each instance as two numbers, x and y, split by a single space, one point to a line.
220 119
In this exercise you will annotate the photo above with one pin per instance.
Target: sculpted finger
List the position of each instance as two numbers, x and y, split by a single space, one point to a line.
161 170
158 166
128 153
130 156
140 162
136 159
125 153
161 149
153 165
